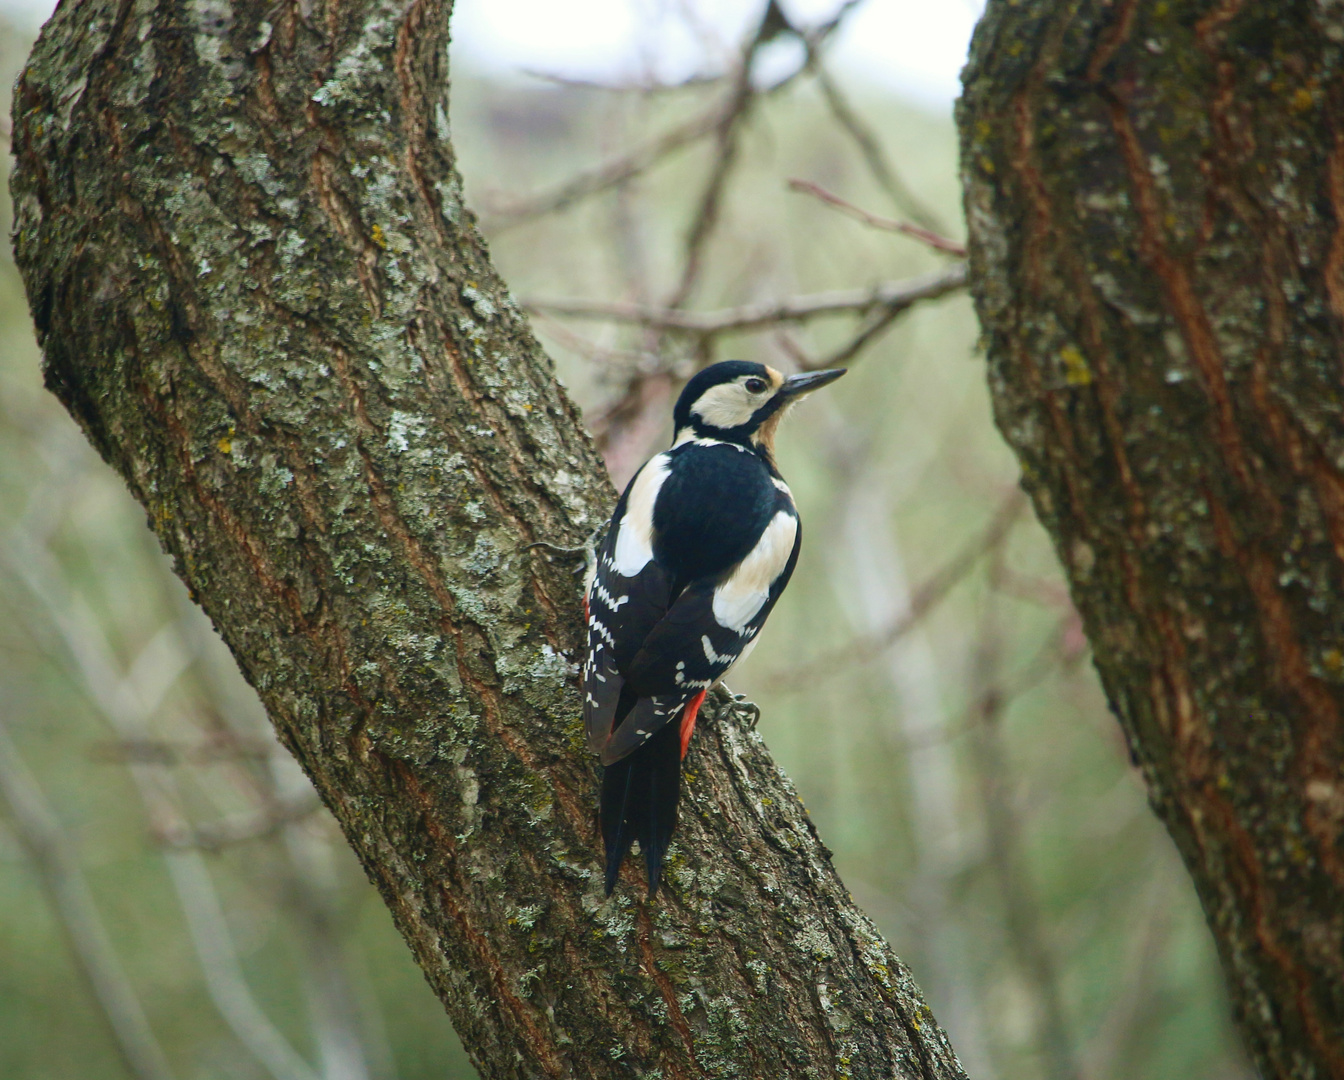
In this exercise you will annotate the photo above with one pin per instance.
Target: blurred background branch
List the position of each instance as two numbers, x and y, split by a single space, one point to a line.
52 855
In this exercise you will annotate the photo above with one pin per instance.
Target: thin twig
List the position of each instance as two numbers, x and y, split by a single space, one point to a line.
888 297
591 350
916 232
636 412
606 174
645 88
885 174
873 327
872 588
743 97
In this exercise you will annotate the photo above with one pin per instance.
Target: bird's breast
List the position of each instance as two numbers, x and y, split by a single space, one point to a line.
745 590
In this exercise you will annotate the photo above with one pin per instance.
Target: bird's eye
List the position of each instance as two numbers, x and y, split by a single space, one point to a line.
755 386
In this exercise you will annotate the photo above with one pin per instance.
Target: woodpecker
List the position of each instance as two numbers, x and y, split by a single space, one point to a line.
699 548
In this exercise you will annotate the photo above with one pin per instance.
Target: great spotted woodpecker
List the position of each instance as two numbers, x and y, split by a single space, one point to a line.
700 546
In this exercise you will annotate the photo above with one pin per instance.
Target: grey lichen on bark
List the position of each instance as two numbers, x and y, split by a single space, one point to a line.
1155 196
258 291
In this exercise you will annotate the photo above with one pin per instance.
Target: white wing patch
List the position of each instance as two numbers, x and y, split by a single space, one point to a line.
634 536
741 596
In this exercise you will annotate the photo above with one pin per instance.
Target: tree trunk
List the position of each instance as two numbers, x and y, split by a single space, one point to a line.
1155 193
258 291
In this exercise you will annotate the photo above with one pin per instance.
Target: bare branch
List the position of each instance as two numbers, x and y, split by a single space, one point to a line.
718 118
225 980
925 236
1055 654
888 297
744 96
885 174
626 424
603 176
876 324
591 350
645 87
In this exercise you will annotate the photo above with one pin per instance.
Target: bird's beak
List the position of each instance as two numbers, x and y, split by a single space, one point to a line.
795 386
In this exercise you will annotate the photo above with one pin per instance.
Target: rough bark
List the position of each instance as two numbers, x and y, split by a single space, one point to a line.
258 291
1155 193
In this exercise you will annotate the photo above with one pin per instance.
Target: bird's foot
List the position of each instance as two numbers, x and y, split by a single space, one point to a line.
748 711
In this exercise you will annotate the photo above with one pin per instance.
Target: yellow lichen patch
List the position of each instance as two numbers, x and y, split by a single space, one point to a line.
1302 100
1332 660
378 237
1076 371
225 445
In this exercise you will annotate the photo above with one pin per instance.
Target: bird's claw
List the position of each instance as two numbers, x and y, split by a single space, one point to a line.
748 711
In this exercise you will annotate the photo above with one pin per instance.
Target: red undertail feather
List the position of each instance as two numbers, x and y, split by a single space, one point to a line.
688 721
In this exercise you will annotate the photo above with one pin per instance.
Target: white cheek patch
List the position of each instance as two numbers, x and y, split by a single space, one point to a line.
737 600
727 405
634 538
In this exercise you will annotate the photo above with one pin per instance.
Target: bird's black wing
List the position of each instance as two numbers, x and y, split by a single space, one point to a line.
709 627
622 607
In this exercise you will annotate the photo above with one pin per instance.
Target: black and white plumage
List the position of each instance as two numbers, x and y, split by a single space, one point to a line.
699 548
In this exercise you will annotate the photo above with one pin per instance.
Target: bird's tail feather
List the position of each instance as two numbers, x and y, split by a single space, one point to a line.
639 802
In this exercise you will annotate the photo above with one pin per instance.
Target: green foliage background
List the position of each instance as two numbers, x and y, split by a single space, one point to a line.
892 751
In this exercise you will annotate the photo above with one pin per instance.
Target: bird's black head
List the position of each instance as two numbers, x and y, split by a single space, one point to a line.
741 402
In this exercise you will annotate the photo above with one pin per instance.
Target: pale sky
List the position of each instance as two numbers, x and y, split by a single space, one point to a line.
916 47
